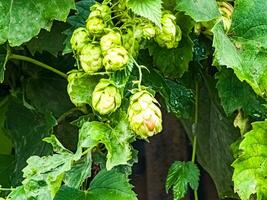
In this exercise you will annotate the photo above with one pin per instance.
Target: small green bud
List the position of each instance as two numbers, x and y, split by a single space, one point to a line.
106 97
80 37
144 116
170 34
116 59
112 39
91 58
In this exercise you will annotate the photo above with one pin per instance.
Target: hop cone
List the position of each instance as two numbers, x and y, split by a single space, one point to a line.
170 34
144 115
116 59
91 58
145 30
111 39
106 97
80 37
95 24
103 9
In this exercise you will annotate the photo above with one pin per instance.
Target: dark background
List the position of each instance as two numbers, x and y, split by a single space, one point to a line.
155 159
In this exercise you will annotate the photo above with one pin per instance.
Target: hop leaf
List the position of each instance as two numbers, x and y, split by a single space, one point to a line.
170 34
179 176
91 58
106 97
144 116
250 167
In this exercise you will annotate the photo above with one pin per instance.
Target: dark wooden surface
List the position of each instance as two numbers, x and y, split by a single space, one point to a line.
156 157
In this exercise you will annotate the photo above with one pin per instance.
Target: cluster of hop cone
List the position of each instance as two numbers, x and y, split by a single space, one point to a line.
111 37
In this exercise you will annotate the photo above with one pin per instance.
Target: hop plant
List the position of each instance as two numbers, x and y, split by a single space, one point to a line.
95 24
80 37
106 97
111 39
116 59
130 43
144 116
91 58
103 9
170 34
145 30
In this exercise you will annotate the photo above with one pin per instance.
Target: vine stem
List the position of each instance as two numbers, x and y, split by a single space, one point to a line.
6 189
140 73
194 131
38 63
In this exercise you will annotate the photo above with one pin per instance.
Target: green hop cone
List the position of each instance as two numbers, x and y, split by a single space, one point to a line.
103 9
116 59
144 115
130 43
95 24
145 30
106 97
91 58
80 37
170 34
111 39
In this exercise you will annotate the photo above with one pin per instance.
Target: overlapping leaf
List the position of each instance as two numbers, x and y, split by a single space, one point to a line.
150 9
236 95
110 185
245 50
116 141
200 10
18 26
250 167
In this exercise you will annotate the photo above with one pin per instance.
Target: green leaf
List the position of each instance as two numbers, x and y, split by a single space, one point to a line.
81 87
67 193
246 59
200 10
116 140
249 22
5 142
150 9
51 42
27 128
14 18
6 169
215 133
44 175
79 172
180 175
241 95
3 62
250 167
174 62
109 185
47 92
